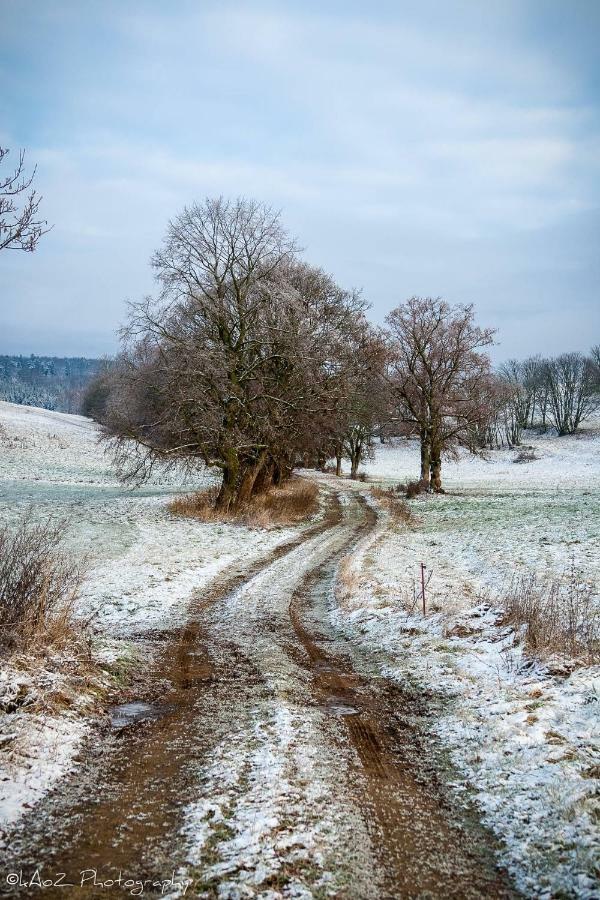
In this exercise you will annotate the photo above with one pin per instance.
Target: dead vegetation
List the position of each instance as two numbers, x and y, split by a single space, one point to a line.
527 454
414 488
289 504
391 500
43 643
557 619
39 586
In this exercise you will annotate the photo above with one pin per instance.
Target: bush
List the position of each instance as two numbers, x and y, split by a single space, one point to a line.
528 454
414 488
293 502
39 585
559 617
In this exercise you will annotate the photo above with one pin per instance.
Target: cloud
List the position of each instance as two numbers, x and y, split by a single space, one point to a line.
413 149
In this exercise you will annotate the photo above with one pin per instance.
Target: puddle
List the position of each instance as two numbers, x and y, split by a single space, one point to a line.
129 713
341 709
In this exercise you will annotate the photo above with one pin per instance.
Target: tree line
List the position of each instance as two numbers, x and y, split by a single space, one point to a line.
252 361
50 382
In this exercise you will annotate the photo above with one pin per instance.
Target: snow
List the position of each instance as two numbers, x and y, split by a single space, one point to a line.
144 565
261 782
526 743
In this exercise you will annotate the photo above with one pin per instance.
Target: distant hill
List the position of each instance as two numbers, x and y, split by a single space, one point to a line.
52 382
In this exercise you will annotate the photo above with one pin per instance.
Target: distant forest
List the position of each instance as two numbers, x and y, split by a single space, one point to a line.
52 382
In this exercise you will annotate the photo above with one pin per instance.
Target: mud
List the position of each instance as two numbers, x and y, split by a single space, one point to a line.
122 811
424 849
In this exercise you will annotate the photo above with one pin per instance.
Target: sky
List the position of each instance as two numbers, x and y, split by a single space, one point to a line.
434 148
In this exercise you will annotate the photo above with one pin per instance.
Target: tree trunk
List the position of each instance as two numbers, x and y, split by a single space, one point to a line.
227 498
338 461
425 457
355 455
264 478
436 470
248 480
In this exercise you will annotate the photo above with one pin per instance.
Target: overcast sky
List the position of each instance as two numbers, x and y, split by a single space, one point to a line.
435 147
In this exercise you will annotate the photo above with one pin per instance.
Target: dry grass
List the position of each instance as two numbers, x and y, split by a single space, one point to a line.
395 505
292 503
527 454
414 488
39 587
558 618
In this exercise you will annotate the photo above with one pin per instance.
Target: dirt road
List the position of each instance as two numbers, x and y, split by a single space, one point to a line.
276 762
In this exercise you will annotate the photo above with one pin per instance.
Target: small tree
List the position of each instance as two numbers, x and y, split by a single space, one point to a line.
439 377
572 390
20 225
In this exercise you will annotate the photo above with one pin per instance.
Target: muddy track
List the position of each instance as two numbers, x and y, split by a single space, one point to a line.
424 848
122 810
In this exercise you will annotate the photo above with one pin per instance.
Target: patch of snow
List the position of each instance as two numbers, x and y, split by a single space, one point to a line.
526 743
144 565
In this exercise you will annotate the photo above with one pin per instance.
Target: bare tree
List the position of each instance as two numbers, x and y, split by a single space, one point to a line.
499 425
530 391
573 390
20 225
238 364
439 376
366 401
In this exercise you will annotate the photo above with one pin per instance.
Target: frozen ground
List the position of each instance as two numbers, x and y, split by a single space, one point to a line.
144 566
528 742
271 795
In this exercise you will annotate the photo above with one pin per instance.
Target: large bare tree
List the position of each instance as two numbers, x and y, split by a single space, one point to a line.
237 364
20 224
439 376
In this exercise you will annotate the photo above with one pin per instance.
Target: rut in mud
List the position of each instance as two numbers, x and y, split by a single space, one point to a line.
259 637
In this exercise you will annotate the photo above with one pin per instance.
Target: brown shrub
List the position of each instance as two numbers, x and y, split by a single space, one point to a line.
414 488
39 586
291 503
200 505
556 618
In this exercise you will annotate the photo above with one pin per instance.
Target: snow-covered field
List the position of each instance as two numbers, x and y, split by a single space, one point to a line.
528 742
144 565
525 742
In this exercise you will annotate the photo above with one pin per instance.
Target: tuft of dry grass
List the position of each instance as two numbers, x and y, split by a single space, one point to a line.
559 618
39 587
527 454
414 488
395 505
200 505
291 503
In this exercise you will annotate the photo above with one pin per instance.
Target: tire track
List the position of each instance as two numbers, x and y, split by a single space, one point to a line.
424 849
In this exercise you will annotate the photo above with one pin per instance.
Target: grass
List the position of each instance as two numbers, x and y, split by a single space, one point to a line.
39 587
557 618
290 504
39 630
395 505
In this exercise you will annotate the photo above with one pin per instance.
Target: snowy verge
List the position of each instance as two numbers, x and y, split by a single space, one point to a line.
145 566
525 743
47 707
